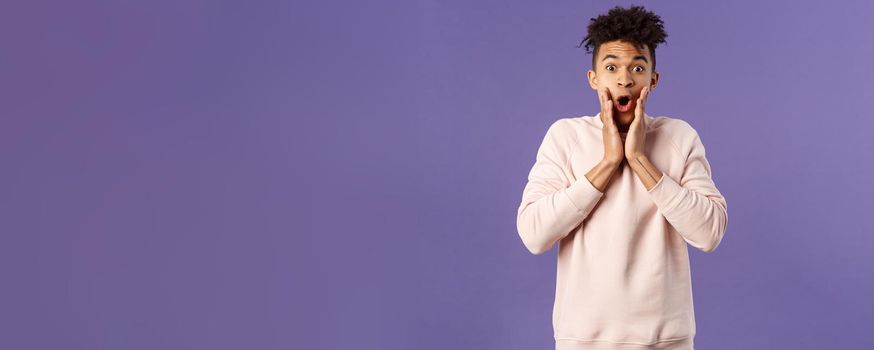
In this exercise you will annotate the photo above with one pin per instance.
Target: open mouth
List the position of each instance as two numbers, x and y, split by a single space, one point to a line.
624 100
624 103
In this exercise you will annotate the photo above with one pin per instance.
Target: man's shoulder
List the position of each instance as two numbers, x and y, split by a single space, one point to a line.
564 128
663 123
674 126
677 131
570 127
576 122
581 130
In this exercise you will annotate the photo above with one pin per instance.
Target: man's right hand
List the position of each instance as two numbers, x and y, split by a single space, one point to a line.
614 147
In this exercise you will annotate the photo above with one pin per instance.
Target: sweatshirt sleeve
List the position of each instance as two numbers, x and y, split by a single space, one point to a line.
693 206
552 206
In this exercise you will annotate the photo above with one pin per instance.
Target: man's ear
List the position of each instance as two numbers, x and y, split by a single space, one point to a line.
593 79
655 79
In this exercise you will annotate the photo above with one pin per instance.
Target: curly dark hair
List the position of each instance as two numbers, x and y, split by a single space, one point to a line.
635 25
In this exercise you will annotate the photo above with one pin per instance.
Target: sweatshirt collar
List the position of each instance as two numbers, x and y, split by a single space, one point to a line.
649 121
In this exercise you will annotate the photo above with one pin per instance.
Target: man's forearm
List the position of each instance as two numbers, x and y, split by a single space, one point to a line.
600 175
646 171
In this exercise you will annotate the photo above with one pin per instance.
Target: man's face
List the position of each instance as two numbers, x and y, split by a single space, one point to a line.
624 71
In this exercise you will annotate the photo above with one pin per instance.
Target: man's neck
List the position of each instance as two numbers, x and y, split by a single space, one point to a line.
623 128
623 122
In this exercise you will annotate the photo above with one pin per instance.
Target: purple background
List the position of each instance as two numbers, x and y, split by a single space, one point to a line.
302 175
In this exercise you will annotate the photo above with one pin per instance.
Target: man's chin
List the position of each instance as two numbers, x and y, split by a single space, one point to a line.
618 114
623 118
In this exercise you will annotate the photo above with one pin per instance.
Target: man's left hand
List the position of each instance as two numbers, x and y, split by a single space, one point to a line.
636 138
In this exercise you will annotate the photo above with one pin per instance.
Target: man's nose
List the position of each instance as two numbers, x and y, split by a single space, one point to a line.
625 80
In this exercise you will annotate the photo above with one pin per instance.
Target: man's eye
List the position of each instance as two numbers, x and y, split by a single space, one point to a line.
636 70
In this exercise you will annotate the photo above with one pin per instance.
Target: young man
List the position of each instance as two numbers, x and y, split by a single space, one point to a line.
622 193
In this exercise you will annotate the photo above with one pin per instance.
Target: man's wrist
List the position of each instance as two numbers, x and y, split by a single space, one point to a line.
611 163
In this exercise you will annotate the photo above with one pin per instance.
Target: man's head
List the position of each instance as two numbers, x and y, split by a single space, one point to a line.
623 61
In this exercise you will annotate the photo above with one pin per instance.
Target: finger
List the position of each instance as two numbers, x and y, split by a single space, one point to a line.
605 95
602 103
608 116
648 89
602 97
641 102
606 104
644 97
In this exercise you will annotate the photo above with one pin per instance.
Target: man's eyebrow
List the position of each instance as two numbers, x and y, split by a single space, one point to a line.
638 57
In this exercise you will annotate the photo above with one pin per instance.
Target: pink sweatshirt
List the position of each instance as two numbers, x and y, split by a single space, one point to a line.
623 279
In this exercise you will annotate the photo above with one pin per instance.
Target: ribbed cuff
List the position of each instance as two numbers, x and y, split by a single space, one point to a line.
583 195
665 193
